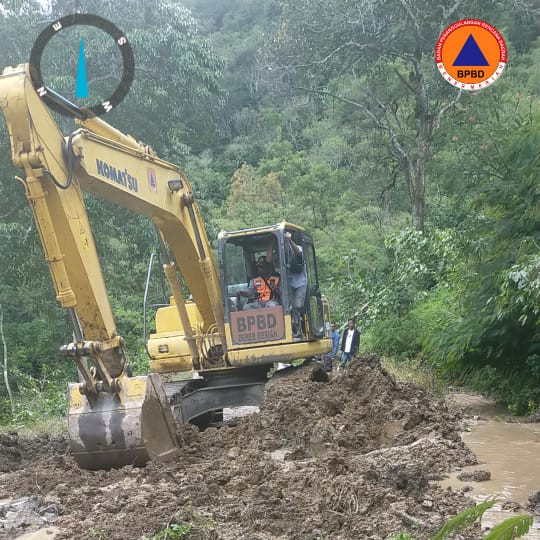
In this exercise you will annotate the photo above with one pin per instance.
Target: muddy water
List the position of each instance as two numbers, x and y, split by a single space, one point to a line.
512 455
511 452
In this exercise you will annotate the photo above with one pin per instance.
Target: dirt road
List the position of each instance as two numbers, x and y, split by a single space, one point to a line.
356 457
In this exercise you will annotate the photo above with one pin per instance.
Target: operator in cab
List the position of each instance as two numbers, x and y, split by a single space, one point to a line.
264 288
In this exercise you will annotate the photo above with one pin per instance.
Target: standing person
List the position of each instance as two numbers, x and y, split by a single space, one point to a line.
297 280
350 343
335 339
328 358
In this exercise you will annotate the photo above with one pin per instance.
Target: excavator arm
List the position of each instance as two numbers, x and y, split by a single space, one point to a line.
96 158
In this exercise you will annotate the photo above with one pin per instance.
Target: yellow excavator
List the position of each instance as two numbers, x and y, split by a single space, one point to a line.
206 353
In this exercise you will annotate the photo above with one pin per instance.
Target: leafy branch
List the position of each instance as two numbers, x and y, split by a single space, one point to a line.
511 528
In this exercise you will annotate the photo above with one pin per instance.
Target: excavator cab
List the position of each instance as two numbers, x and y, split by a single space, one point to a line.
281 322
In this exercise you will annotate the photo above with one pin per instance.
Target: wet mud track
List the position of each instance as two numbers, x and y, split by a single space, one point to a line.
353 458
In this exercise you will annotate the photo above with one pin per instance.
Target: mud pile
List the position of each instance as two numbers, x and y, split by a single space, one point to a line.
16 452
351 458
10 455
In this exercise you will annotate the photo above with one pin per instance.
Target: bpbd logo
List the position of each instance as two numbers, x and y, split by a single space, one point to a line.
470 54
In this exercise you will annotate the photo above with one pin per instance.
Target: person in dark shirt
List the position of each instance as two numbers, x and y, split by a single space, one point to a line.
350 343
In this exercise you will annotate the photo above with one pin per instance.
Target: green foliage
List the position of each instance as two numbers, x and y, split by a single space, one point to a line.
173 532
186 524
520 289
98 534
254 200
393 336
511 528
469 302
37 399
464 519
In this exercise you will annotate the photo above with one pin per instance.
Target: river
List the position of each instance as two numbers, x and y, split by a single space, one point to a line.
510 451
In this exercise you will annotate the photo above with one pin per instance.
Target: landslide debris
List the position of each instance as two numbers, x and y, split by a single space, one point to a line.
10 455
16 452
352 458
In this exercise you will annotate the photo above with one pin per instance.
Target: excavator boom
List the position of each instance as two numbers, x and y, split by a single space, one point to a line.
107 409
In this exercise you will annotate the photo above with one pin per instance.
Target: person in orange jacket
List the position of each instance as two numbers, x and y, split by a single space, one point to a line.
264 288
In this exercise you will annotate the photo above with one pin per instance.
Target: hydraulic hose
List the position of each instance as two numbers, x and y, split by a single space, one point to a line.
69 151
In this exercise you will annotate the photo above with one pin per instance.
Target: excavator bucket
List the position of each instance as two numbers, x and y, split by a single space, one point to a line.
110 431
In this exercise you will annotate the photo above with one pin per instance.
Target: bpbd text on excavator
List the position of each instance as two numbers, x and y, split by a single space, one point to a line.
205 354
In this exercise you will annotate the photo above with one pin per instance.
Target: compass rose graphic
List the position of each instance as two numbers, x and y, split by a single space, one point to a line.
46 40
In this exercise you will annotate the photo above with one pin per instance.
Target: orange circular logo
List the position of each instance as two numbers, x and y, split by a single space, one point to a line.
470 54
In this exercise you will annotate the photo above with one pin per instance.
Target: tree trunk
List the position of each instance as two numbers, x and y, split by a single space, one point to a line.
418 200
414 172
5 357
418 213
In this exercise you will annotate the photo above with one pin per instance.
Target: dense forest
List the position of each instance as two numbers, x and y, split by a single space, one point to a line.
424 200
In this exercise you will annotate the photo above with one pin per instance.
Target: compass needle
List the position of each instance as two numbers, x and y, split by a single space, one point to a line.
81 89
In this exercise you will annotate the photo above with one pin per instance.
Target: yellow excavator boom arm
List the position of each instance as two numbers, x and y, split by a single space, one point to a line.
116 168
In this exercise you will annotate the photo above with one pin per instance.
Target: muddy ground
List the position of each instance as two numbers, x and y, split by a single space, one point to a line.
353 458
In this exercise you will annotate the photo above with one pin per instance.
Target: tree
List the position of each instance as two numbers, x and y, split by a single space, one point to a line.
376 56
176 99
254 200
5 357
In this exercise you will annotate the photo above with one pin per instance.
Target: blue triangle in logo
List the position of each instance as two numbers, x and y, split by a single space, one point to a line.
470 54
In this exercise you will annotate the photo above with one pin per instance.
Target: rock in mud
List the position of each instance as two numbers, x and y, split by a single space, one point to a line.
534 502
511 506
28 513
318 374
480 475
